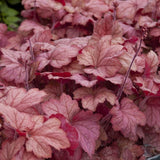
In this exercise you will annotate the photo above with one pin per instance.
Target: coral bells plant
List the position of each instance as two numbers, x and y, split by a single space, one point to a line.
80 80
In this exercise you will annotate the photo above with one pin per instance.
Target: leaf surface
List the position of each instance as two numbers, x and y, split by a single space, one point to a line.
56 56
21 99
151 109
65 106
86 124
101 58
126 118
91 97
14 62
46 135
17 120
11 148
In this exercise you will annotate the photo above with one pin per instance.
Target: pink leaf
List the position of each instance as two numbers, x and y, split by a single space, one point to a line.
46 135
56 56
119 79
65 106
131 7
145 21
3 28
155 32
41 135
91 97
147 85
100 58
41 36
28 26
126 118
86 124
98 8
126 58
17 120
151 64
11 148
21 99
151 107
14 62
83 81
24 155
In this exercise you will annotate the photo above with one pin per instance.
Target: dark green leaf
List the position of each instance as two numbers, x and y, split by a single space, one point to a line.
9 11
11 19
12 2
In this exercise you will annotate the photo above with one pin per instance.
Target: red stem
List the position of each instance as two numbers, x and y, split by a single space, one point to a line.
128 72
31 50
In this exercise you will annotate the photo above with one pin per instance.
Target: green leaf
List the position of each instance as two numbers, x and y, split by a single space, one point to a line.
9 11
12 26
13 2
11 19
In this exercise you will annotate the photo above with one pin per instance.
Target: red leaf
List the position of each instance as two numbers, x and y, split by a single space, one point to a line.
151 107
126 118
11 148
86 124
132 40
62 2
152 140
64 74
70 132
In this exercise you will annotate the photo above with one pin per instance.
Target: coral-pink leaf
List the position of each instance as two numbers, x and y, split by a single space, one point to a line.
46 135
16 119
65 106
56 56
100 57
21 99
91 97
14 63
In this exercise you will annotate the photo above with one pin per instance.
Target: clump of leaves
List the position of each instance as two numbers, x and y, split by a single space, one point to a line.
81 80
8 15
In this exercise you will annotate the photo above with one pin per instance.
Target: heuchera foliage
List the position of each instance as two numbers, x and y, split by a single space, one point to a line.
80 80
